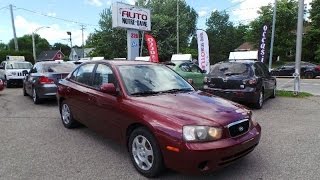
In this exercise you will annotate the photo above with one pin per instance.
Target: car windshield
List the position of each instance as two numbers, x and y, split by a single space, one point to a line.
18 65
152 79
59 67
229 69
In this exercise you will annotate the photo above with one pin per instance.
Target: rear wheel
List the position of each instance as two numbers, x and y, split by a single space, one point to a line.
259 101
35 97
309 75
145 153
67 117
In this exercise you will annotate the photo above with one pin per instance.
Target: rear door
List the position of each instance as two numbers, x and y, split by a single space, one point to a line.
269 81
77 92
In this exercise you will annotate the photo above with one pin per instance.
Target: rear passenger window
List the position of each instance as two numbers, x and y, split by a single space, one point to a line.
84 74
257 70
103 75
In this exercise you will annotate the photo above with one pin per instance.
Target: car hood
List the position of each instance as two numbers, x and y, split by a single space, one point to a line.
194 108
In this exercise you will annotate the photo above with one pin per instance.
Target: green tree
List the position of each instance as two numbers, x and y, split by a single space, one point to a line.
25 43
223 36
285 32
163 22
311 44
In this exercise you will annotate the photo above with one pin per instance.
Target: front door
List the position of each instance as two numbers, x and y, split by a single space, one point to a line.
105 108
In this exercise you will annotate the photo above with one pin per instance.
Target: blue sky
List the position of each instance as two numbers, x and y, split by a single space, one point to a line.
30 14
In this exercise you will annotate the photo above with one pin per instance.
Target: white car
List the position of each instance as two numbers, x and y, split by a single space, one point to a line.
14 71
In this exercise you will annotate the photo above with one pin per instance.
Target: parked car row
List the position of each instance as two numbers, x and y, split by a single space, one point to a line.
308 70
243 81
155 113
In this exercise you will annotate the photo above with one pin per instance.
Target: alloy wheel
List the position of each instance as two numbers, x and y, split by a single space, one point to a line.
34 95
66 115
261 99
142 152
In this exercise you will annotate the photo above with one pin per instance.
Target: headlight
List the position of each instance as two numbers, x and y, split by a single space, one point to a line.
201 133
254 122
14 73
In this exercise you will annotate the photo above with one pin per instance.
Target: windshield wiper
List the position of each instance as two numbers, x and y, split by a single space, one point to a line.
177 90
145 93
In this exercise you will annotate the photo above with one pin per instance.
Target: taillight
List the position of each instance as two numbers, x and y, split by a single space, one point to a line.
45 80
251 81
317 68
206 80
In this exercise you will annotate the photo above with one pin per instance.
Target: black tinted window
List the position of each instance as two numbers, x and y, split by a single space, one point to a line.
84 74
257 70
103 75
58 67
230 69
264 68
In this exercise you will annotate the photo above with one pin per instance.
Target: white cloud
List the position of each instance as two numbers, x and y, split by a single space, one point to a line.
52 14
96 3
247 10
55 33
202 13
109 2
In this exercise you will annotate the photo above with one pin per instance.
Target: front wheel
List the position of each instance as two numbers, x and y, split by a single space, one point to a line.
24 91
145 153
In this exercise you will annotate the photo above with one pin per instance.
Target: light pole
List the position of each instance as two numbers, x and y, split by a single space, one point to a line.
69 33
33 41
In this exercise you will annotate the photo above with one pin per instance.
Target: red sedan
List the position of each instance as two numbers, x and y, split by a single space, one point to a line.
159 116
1 85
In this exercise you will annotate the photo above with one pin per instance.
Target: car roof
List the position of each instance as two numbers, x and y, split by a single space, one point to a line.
124 62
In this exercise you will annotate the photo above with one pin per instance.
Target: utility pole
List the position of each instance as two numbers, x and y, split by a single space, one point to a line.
14 30
299 47
82 28
177 26
273 31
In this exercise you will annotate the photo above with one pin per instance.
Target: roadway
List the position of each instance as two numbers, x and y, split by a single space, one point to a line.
307 85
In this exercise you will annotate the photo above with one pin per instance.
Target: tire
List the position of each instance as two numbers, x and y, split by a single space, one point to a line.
145 153
273 95
8 83
66 116
259 101
35 97
309 75
24 91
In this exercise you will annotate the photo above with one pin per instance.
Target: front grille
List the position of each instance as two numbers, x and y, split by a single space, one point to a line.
239 127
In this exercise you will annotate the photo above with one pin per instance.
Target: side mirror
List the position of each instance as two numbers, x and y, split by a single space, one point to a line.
108 88
203 71
1 67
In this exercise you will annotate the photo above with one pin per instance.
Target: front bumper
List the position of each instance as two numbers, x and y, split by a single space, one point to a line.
47 91
198 158
247 95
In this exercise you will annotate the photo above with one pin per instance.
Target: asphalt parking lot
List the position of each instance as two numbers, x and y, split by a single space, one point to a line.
35 145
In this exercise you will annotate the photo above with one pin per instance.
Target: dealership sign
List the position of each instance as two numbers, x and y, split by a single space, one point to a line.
130 17
203 50
262 54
